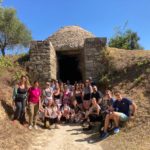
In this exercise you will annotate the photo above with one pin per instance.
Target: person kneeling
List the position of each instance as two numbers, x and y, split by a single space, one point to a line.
51 114
93 114
65 110
121 113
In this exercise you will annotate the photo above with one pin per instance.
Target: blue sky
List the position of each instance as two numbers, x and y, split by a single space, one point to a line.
44 17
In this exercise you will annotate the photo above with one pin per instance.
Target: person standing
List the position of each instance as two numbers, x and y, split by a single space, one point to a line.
78 95
87 91
47 94
34 102
96 94
19 100
57 95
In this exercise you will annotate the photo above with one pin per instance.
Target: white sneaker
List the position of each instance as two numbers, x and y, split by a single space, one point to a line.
30 127
35 127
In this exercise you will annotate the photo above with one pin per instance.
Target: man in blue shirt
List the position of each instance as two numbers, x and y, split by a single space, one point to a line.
121 112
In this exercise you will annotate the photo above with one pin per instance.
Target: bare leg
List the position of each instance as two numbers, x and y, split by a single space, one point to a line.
107 120
116 118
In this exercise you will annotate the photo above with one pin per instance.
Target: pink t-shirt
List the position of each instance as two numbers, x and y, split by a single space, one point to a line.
34 95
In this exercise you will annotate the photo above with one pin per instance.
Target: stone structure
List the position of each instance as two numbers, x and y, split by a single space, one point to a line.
42 61
71 53
92 57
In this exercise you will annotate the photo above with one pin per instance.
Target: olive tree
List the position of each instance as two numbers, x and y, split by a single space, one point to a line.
13 32
126 40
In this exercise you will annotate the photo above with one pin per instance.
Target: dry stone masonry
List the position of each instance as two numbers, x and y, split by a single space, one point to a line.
44 64
92 57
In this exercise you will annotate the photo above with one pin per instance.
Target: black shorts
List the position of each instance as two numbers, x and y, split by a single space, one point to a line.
51 120
87 96
56 96
79 99
95 118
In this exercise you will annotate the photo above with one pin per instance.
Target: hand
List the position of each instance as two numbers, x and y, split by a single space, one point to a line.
132 116
14 107
13 104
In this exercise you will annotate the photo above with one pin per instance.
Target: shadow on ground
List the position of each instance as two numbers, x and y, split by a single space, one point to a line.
8 109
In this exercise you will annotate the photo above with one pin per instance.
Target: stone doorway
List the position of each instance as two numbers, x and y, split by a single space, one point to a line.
68 67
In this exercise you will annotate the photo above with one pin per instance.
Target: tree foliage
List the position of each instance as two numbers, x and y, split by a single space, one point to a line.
126 40
13 32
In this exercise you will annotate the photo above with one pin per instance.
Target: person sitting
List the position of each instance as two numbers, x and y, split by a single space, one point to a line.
96 94
51 114
65 111
93 114
107 103
106 107
121 113
75 112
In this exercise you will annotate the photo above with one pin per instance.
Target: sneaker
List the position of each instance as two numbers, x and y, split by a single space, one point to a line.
30 127
35 127
116 130
104 135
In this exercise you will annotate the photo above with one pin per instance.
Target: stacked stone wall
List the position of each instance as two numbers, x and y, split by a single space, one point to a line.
92 54
42 66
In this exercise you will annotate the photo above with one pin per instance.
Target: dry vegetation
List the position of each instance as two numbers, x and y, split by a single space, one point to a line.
130 73
11 136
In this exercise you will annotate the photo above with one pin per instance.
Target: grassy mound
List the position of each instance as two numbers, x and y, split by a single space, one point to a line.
130 73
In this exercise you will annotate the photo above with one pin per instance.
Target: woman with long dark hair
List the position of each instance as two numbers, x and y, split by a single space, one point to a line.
78 95
87 91
20 99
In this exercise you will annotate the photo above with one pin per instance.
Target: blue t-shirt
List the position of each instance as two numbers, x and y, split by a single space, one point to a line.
123 106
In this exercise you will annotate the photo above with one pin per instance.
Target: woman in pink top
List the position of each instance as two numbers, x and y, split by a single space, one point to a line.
34 101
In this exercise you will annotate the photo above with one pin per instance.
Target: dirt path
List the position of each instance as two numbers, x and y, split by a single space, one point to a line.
65 138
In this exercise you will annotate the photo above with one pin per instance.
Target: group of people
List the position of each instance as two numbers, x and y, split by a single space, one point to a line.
62 102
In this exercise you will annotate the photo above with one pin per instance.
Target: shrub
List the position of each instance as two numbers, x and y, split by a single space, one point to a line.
105 81
138 80
5 62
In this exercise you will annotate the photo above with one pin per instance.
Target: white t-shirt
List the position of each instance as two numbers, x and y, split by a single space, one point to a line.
52 112
48 93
